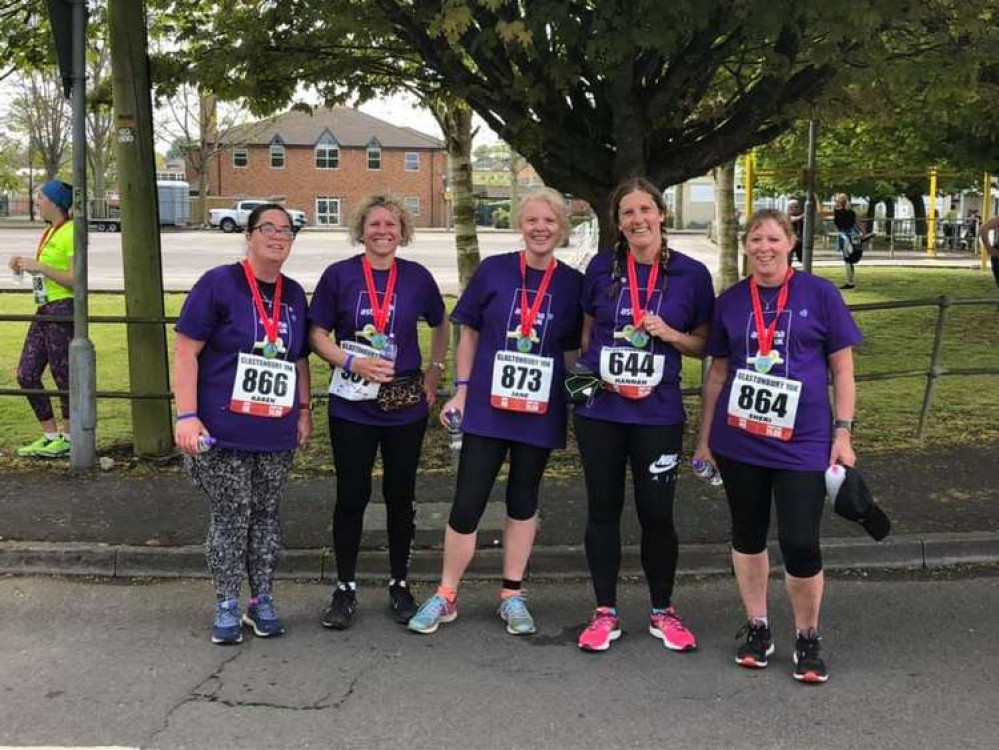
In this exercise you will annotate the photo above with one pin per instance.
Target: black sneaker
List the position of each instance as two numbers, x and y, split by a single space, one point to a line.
402 603
808 665
340 614
848 286
758 646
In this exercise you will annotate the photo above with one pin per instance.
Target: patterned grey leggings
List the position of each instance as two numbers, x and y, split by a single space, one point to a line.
244 492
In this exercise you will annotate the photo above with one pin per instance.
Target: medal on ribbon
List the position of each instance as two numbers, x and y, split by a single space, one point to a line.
766 356
637 336
380 312
272 345
526 334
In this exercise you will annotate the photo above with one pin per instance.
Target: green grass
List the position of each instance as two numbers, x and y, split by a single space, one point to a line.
965 409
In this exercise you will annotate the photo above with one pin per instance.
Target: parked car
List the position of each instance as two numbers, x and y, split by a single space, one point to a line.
231 219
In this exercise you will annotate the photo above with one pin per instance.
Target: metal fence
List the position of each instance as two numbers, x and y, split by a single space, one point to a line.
902 234
932 374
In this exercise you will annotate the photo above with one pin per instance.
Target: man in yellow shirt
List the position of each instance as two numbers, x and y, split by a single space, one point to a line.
47 343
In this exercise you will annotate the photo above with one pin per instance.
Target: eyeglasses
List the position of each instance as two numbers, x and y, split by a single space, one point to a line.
269 230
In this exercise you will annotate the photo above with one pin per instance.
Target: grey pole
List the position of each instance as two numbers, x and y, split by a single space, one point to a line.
82 361
808 241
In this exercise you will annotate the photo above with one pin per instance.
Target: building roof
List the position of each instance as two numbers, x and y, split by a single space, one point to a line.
350 128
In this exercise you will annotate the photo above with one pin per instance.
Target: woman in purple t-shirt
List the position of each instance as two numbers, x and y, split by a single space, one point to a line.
519 322
767 427
372 303
241 384
644 306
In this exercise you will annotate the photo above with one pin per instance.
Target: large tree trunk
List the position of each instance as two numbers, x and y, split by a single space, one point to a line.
456 121
726 224
208 135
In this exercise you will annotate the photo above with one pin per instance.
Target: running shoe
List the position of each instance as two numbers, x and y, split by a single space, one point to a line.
57 448
808 665
227 628
33 449
513 610
261 616
669 628
758 646
848 286
402 603
604 628
435 610
340 614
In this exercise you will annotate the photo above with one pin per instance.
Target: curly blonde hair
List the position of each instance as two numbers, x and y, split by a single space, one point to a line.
381 200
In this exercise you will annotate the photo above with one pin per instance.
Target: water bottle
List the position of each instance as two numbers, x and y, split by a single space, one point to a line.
835 475
205 443
454 428
707 472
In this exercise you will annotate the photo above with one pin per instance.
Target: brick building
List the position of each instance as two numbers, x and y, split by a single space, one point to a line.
324 163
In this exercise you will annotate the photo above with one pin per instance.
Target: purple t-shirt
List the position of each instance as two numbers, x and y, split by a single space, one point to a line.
684 297
220 311
491 306
815 323
340 304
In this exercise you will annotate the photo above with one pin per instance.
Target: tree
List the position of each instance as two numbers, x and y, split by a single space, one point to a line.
39 111
11 159
100 123
25 38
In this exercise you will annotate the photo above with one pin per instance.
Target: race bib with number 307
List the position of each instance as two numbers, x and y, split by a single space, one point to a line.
764 404
349 385
521 382
633 373
263 387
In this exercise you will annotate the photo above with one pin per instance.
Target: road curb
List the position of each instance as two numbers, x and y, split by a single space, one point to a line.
911 551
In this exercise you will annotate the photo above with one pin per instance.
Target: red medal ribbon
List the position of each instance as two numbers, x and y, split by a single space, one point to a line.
270 324
46 235
765 334
380 313
528 316
637 313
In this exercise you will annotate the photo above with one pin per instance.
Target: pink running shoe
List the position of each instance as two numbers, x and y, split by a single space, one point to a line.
604 627
669 628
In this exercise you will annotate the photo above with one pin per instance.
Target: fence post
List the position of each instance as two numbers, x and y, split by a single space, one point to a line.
931 216
934 371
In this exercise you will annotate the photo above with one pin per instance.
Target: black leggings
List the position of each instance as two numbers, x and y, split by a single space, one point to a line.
994 260
354 448
653 451
799 497
481 459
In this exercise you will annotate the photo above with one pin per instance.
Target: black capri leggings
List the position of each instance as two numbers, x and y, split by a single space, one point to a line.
354 448
480 462
799 497
653 451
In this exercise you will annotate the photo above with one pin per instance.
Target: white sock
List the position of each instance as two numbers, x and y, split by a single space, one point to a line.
65 436
764 621
51 435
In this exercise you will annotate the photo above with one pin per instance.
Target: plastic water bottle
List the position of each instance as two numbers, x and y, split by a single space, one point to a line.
835 475
205 443
454 429
707 472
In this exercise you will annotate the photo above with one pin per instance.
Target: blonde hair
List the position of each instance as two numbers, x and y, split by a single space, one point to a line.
390 203
841 200
769 214
555 201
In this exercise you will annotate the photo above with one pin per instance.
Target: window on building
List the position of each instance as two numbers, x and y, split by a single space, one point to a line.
327 211
277 156
374 157
413 205
240 158
327 156
412 161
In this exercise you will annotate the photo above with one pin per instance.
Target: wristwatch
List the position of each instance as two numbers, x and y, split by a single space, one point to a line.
846 424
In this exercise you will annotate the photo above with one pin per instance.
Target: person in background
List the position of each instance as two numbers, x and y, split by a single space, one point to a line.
242 389
379 398
991 244
851 236
519 319
796 214
47 342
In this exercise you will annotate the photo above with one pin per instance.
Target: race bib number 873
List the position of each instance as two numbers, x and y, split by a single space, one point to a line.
521 382
764 404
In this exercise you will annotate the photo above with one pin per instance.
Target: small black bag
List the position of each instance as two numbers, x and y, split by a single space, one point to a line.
581 384
401 393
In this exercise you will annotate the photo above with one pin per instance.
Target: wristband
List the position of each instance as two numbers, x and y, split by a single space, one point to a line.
305 407
348 363
439 365
187 415
458 383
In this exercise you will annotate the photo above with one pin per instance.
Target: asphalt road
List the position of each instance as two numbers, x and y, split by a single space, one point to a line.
188 254
913 664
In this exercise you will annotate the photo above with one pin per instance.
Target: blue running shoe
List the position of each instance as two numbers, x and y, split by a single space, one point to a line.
227 628
435 610
513 610
260 616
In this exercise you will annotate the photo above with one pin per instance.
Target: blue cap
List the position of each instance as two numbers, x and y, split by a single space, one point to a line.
59 192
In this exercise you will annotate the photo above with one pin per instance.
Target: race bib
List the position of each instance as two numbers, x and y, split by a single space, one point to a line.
349 385
633 373
521 382
263 387
764 404
38 289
